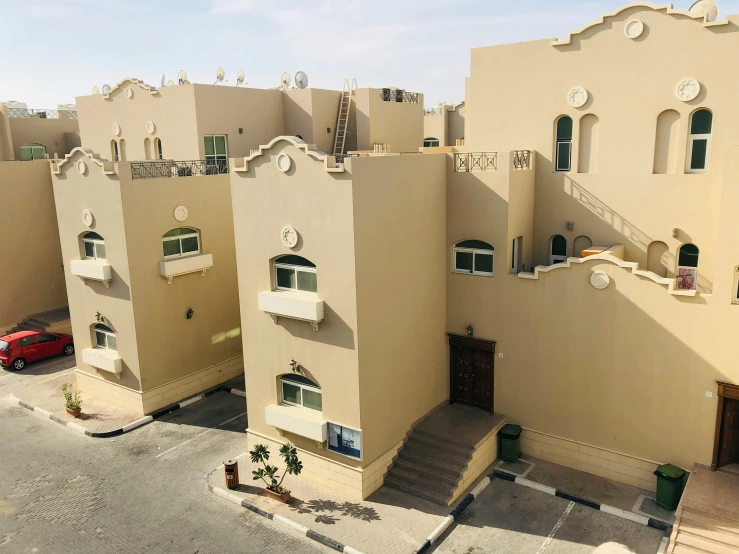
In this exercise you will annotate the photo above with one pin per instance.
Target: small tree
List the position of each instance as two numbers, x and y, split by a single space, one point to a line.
268 473
72 398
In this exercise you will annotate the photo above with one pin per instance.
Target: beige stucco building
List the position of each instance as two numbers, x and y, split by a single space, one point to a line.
33 279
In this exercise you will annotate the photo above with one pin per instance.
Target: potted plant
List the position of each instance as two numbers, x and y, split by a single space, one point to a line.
72 400
268 473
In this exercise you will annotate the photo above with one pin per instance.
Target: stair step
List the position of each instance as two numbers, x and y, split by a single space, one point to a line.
703 545
410 469
436 451
418 454
440 442
439 497
682 549
710 532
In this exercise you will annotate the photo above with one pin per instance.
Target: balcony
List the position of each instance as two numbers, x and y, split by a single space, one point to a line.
104 360
293 305
175 267
167 168
21 113
521 159
465 162
94 270
398 95
299 421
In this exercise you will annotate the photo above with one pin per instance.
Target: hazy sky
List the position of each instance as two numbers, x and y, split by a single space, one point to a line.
54 50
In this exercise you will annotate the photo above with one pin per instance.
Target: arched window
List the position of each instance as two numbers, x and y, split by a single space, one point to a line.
563 144
699 141
105 337
300 391
473 257
33 152
147 148
295 273
687 267
114 150
666 142
94 246
430 142
557 250
158 149
183 241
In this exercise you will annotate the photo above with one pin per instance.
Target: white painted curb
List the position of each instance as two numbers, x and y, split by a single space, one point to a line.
137 423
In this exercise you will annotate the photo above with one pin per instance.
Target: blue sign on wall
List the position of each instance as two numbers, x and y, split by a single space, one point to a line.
344 440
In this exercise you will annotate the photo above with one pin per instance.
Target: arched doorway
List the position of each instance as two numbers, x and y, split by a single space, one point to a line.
658 254
687 267
581 243
557 250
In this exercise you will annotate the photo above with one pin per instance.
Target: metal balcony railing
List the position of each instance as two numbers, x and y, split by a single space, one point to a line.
475 161
19 113
398 95
166 168
434 111
522 159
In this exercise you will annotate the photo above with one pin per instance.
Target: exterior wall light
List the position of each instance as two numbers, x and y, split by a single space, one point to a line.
189 313
295 366
470 330
675 232
570 225
99 317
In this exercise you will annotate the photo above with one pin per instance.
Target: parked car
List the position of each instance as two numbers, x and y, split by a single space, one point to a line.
23 347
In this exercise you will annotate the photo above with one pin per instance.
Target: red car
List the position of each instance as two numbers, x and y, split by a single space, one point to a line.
18 349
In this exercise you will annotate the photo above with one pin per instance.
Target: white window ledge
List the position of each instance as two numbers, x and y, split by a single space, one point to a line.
103 359
294 305
182 266
299 421
95 270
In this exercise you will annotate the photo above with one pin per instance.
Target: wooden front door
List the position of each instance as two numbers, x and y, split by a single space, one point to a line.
726 447
471 371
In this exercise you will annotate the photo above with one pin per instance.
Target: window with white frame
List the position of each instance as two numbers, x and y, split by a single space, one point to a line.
158 149
699 141
563 144
105 337
295 273
430 142
215 148
473 257
300 391
687 267
33 152
94 246
183 241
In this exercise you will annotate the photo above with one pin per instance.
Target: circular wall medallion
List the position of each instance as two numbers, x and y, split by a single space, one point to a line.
599 280
129 92
687 89
284 163
82 167
87 218
150 127
289 236
180 213
577 97
634 28
116 129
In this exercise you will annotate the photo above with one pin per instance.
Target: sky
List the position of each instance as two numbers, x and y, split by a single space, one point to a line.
54 50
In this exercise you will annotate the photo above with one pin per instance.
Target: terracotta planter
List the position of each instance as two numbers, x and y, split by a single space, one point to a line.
284 498
74 413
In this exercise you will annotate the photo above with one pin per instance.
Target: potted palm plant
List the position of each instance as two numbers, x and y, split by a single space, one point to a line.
268 473
72 400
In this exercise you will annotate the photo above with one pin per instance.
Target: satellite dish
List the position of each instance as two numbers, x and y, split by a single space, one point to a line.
285 80
301 79
95 90
220 74
170 83
181 77
106 89
240 77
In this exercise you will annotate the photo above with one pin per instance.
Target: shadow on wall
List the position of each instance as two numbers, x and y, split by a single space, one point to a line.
332 330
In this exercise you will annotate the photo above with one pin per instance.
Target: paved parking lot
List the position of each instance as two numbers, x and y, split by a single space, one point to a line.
507 518
51 369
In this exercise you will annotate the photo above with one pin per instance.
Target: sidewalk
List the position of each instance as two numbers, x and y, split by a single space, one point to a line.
389 521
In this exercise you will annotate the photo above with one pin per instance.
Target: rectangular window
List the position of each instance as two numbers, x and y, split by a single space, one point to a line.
483 263
215 147
473 262
301 392
181 245
100 339
89 249
171 248
698 154
564 155
300 278
463 261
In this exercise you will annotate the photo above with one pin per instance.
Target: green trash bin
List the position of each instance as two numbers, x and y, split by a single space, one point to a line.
669 486
510 441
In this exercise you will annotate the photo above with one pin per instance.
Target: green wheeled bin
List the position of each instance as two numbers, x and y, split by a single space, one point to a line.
510 442
669 486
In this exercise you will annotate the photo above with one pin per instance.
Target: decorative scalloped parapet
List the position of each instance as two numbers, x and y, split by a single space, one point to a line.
667 8
148 88
608 256
329 162
57 165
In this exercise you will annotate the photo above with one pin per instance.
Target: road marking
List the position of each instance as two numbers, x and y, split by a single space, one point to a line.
550 538
199 435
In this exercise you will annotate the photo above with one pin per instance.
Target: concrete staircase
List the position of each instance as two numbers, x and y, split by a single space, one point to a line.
54 321
705 533
429 467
